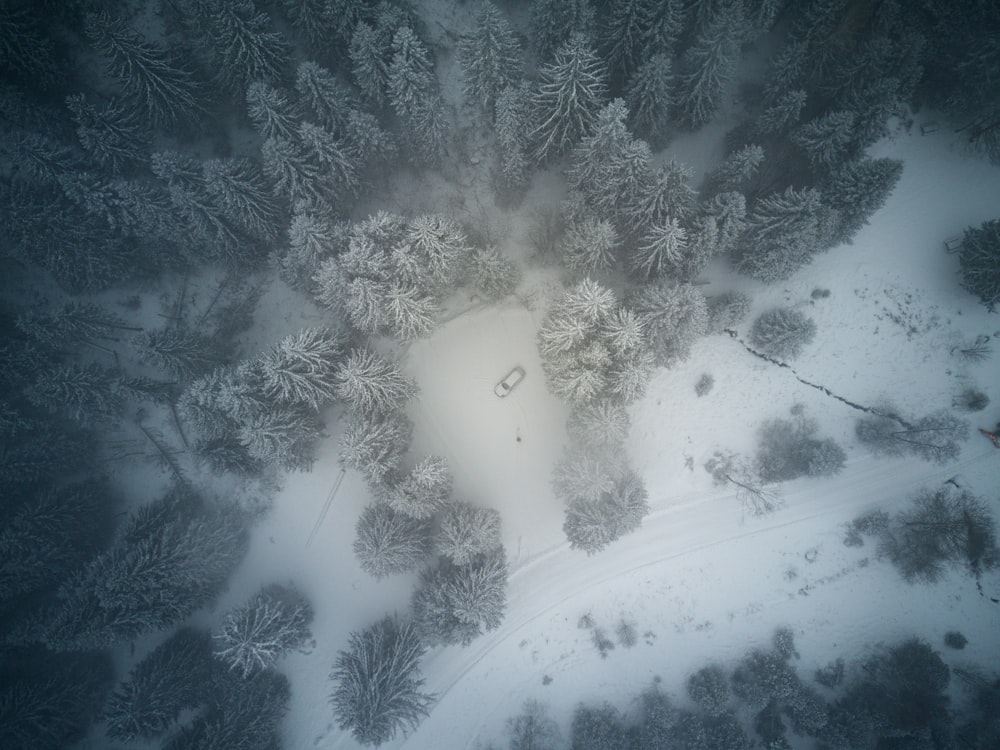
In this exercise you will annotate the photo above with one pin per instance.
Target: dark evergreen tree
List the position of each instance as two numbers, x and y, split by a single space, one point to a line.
598 728
662 195
40 158
254 636
27 51
569 97
709 689
491 58
271 111
457 603
75 323
329 100
313 237
173 677
590 246
728 210
150 78
282 435
466 531
708 65
387 541
736 172
857 189
781 116
86 392
782 332
763 676
415 95
511 125
369 53
315 20
377 689
555 21
650 98
243 195
181 353
979 257
828 140
624 35
109 132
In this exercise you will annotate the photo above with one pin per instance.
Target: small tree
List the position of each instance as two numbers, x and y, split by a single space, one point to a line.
377 689
253 637
597 728
788 449
604 501
650 98
533 728
422 492
935 437
672 316
709 688
589 246
374 445
372 385
175 676
303 368
388 542
490 56
782 332
980 261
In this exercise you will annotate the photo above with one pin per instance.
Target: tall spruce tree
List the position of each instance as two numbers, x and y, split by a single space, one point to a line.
708 65
490 57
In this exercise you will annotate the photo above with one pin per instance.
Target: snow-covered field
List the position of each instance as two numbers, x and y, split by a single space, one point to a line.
700 581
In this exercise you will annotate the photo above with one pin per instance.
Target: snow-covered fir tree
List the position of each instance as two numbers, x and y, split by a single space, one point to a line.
466 531
600 425
369 53
442 247
554 21
662 195
828 140
377 688
181 353
979 258
423 491
661 251
337 166
151 79
387 541
605 509
650 98
370 384
708 65
329 100
511 125
85 392
282 435
673 317
243 195
623 37
857 189
492 274
254 636
75 323
490 57
173 677
570 93
590 246
374 445
313 236
109 132
271 111
782 332
458 603
728 211
783 232
311 166
736 171
303 368
314 20
781 116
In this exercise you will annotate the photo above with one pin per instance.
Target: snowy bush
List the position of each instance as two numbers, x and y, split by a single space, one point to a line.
377 690
592 347
388 542
971 399
727 310
942 527
253 637
979 257
457 603
672 317
954 639
423 491
466 531
782 332
704 384
762 676
175 676
788 449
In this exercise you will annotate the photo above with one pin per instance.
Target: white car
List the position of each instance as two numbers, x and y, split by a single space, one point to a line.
512 378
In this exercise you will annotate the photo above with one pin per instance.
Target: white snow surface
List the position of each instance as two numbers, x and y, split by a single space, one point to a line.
700 581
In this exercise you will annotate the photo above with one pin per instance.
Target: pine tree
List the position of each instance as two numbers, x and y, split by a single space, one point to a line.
662 250
314 20
513 112
372 385
282 435
708 65
312 238
369 53
569 97
26 50
85 392
410 74
377 690
624 36
175 676
48 535
365 139
467 531
329 100
109 133
374 445
781 116
271 112
311 166
728 210
442 248
979 258
590 246
782 332
493 275
303 367
603 515
165 91
650 98
663 195
555 21
490 57
457 603
40 158
388 542
337 168
602 424
254 636
533 728
75 323
422 492
673 317
857 190
236 34
828 140
736 172
243 195
783 232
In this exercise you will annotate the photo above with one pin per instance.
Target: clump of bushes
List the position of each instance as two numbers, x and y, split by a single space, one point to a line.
782 332
789 448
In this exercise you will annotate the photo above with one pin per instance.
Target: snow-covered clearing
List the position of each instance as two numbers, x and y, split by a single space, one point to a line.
700 582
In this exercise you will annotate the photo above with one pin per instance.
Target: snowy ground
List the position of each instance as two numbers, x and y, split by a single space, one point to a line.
699 581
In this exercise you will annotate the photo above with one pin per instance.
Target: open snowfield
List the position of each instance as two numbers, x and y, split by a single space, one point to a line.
700 581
